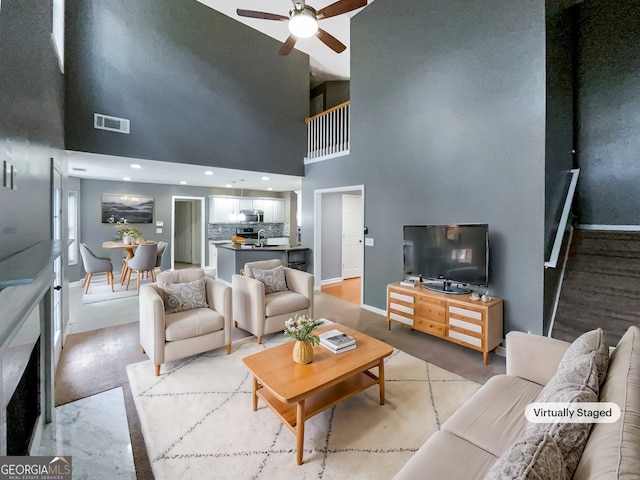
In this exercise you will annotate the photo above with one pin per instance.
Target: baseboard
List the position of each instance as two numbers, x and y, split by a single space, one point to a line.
331 280
377 310
614 228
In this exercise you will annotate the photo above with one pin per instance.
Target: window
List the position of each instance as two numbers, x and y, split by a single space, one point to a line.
72 220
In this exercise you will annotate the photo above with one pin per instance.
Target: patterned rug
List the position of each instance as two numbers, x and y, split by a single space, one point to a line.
198 423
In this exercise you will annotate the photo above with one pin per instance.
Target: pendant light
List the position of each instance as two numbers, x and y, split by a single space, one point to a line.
233 216
241 216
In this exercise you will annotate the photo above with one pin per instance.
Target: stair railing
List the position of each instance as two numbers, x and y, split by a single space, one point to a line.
328 133
562 225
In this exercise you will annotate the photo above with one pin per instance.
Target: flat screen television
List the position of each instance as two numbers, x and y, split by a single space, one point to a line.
452 256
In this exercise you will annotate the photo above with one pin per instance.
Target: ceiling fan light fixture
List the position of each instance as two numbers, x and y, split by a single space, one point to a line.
303 23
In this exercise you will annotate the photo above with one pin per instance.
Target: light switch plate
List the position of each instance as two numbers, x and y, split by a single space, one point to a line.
158 231
368 242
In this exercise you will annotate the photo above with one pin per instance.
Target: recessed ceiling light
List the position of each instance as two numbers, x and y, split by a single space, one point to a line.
182 182
126 179
136 166
228 185
269 188
265 178
208 172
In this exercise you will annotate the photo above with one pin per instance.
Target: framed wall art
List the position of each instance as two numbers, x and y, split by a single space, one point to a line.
126 209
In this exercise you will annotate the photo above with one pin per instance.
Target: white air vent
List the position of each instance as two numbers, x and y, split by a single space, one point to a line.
113 124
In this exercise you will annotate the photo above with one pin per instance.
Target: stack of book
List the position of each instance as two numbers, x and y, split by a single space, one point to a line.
337 342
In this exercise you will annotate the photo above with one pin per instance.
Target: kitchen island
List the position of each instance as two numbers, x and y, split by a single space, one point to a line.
231 258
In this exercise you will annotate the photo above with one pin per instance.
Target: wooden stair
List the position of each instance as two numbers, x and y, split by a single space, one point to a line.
601 286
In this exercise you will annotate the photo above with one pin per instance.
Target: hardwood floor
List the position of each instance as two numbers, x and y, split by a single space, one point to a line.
181 265
348 290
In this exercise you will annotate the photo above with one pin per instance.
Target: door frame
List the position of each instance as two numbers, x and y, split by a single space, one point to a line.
317 228
177 198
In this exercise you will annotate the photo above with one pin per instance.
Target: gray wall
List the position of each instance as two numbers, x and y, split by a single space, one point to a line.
331 236
609 112
559 117
198 86
31 126
448 126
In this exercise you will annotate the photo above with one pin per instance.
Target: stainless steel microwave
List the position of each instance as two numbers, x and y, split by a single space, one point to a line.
252 216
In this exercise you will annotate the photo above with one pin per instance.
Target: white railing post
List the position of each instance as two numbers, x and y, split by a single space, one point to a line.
328 133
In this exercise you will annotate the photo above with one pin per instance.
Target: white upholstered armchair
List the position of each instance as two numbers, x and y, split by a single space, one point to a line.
260 312
184 313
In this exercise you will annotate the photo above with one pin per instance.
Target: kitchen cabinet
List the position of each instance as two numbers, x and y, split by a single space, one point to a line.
221 208
273 210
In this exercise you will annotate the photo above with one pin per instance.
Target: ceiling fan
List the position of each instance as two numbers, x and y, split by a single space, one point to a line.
303 22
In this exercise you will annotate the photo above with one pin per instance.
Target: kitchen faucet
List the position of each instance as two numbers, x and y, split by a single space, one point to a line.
264 240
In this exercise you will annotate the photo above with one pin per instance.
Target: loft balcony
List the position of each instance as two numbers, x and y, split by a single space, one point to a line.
328 134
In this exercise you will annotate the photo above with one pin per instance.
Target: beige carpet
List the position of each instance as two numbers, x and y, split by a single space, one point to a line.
197 420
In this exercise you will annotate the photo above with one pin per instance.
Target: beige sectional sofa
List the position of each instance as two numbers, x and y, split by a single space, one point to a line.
484 438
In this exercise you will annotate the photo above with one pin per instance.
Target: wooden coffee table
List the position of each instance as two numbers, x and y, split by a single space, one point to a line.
297 392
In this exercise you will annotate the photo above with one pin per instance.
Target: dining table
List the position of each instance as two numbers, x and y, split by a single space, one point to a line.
129 248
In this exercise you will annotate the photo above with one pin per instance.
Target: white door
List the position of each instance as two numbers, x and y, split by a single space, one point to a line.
352 236
56 234
183 232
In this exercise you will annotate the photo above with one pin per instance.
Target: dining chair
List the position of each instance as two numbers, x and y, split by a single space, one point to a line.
162 247
143 260
94 264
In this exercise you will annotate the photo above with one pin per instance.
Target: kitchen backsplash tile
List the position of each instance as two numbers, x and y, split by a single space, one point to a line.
224 231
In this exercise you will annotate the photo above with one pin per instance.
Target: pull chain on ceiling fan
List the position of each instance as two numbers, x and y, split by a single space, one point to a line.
303 22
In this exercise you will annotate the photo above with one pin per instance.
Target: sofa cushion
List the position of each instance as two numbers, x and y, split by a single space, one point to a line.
273 279
571 438
612 448
446 456
536 457
179 297
192 323
281 303
593 341
493 419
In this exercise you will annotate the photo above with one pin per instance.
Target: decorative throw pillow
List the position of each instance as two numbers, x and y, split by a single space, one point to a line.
536 457
179 297
592 341
580 374
274 279
571 438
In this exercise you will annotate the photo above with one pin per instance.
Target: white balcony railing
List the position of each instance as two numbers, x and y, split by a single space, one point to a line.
328 134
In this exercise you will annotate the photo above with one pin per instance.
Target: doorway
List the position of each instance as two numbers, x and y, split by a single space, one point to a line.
339 238
187 232
56 234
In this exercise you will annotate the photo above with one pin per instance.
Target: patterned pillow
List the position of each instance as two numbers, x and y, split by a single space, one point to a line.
571 438
274 279
593 341
536 457
179 297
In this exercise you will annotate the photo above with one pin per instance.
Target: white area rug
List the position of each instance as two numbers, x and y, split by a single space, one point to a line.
198 422
99 291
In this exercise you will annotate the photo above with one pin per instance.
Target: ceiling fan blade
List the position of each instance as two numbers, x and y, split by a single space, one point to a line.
330 41
340 7
261 15
288 45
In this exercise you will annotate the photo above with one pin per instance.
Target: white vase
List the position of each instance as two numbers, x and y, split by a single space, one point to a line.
126 239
